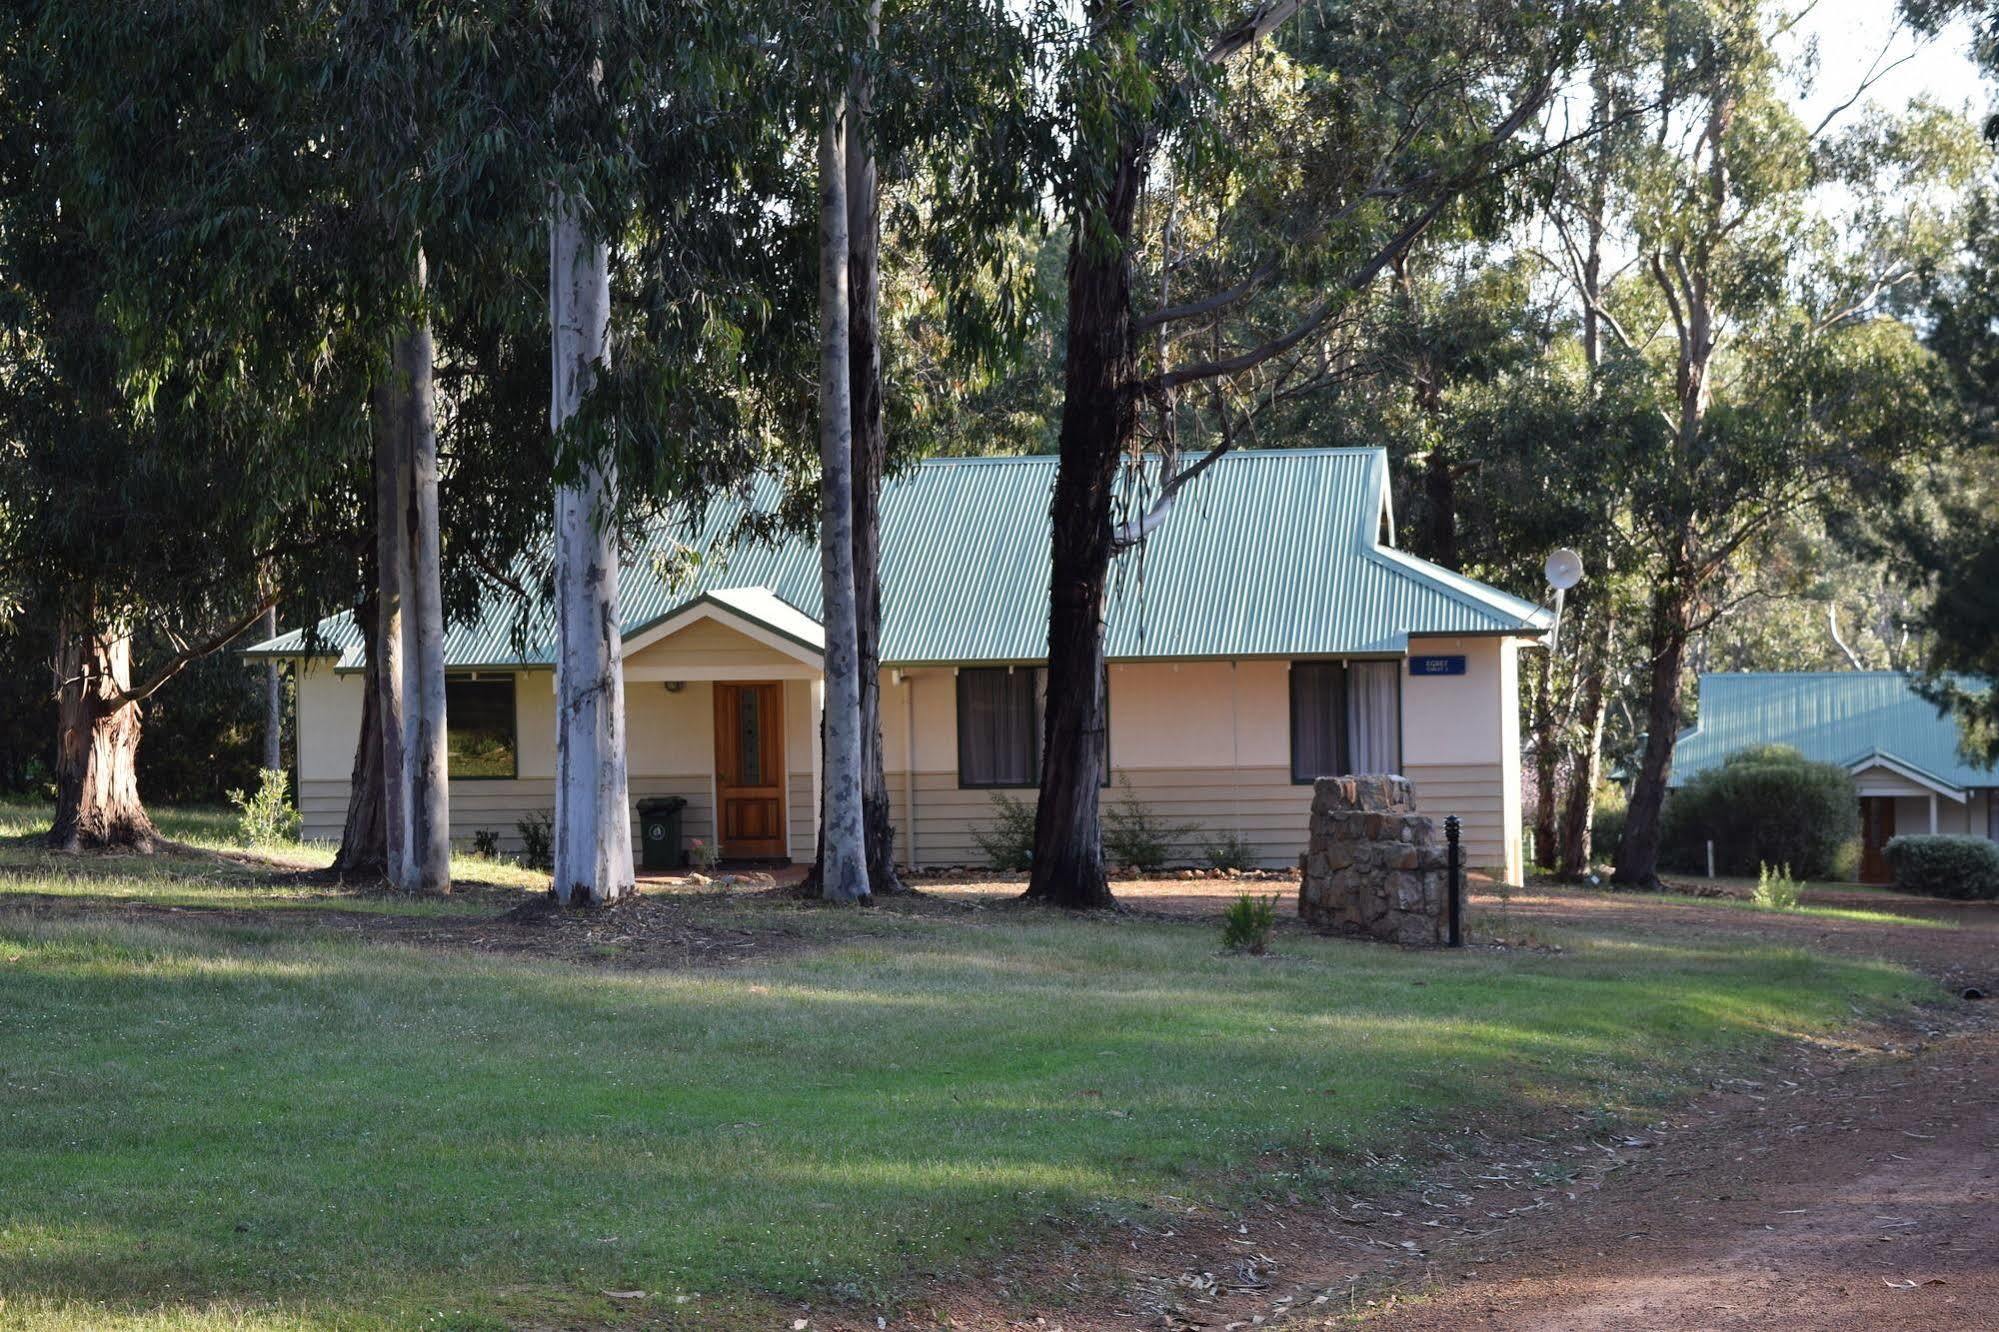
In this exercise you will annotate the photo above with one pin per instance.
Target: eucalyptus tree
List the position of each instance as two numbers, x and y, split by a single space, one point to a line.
267 193
932 95
842 871
127 495
1781 374
663 137
1401 110
1944 544
592 834
867 450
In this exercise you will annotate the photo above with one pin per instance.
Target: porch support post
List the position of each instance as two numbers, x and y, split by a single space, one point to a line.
818 695
1933 813
909 771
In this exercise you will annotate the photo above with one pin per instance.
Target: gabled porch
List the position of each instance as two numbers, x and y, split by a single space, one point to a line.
722 699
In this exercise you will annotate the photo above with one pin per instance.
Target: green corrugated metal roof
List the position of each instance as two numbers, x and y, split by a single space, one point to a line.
1841 717
1270 553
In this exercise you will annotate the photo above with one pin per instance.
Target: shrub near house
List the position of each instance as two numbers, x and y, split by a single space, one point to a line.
1765 805
1966 868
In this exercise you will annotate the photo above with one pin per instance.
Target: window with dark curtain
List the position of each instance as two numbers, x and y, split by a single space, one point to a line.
1318 720
479 729
999 726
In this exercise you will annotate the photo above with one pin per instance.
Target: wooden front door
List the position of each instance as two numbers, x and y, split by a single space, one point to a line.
1877 825
749 771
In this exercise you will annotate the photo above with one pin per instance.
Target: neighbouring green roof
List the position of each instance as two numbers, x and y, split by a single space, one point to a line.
1844 717
1270 553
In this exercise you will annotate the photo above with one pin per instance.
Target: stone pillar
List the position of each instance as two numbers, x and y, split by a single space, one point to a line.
1375 866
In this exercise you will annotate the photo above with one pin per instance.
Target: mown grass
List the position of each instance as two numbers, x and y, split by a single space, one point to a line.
210 1129
1822 912
232 876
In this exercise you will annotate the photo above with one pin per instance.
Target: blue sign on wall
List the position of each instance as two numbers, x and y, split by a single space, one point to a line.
1436 665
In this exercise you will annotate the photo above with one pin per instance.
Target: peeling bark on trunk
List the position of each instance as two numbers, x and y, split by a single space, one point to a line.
425 753
870 454
386 653
1586 770
593 833
1099 422
843 838
1546 765
363 851
1684 281
97 743
274 698
407 653
1638 855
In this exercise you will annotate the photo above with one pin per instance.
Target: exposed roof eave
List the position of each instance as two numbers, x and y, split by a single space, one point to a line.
764 613
1875 758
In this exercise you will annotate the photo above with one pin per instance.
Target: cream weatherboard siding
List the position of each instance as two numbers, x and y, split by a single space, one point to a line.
1972 817
1206 744
670 743
1209 744
1912 815
1461 746
1290 558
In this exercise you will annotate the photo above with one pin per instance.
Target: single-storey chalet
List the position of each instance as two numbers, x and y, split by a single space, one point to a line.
1902 752
1267 634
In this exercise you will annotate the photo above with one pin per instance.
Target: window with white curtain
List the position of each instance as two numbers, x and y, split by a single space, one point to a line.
1346 717
1374 716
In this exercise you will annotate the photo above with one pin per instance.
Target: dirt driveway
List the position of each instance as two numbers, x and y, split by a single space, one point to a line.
1855 1185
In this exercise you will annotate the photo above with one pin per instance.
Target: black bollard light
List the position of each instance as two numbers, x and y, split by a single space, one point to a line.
1453 905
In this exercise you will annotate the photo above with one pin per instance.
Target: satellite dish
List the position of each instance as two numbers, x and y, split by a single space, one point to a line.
1564 569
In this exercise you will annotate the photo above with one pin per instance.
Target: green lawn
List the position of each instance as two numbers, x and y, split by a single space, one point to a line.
222 1126
1860 914
235 877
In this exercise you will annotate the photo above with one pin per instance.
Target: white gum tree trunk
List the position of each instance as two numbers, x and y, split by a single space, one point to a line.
409 684
844 860
425 754
392 578
593 833
274 698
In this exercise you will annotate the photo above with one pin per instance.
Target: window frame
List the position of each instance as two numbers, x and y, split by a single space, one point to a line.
1040 695
1038 683
1291 704
512 680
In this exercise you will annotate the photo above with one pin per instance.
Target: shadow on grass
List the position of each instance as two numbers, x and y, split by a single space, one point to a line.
370 1128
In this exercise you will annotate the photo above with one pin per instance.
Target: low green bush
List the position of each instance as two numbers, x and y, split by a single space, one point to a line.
1247 923
1767 805
537 833
1136 836
1776 889
267 818
1008 840
1966 868
1230 851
